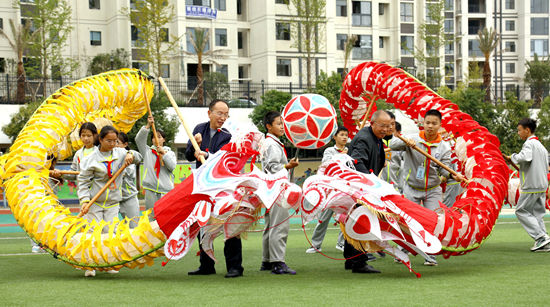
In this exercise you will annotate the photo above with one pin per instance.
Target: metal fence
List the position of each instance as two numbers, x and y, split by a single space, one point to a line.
238 93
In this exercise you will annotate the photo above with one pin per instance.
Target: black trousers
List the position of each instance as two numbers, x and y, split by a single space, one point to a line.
358 258
233 252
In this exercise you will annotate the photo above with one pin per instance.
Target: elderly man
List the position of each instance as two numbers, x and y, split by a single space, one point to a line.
367 150
211 137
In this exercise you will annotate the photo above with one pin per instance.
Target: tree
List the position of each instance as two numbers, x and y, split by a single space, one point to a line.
19 43
271 101
167 123
488 40
116 59
432 33
200 40
308 30
538 77
216 86
330 87
543 128
51 20
154 43
20 119
350 43
470 100
505 126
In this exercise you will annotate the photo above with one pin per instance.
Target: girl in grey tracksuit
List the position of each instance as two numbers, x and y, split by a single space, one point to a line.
97 169
88 136
129 205
157 179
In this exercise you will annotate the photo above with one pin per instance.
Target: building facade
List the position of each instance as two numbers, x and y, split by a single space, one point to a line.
259 45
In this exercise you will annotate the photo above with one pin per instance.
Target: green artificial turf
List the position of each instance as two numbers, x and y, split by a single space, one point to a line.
502 272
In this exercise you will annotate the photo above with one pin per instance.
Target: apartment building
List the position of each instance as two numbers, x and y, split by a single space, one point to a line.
257 43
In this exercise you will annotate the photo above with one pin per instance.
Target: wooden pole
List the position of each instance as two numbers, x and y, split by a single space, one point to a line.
427 155
153 124
87 206
66 172
373 101
187 130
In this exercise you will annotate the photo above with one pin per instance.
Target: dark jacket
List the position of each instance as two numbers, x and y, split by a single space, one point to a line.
367 152
220 138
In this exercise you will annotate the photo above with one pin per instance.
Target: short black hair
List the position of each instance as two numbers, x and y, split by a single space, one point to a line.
397 126
106 130
528 123
123 137
88 126
433 112
340 129
269 117
392 116
161 132
213 104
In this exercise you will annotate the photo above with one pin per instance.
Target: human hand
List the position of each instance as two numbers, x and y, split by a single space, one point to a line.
198 138
292 163
150 121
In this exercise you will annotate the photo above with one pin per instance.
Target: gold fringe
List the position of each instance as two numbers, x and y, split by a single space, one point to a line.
363 246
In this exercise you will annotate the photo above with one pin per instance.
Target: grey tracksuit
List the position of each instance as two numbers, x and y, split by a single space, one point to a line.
324 218
391 172
422 183
94 175
155 186
129 205
452 190
276 233
533 165
77 159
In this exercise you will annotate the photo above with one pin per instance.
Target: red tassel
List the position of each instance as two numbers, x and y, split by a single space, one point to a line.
198 253
164 263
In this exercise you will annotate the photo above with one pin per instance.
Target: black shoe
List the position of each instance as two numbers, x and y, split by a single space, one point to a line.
233 273
266 266
381 254
200 271
282 268
365 269
348 265
370 257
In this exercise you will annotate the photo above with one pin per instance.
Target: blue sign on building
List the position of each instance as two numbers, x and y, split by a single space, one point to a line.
200 11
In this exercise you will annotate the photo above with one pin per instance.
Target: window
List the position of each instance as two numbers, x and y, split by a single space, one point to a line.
281 1
282 31
283 67
510 68
240 40
239 7
449 48
190 48
93 4
449 69
95 38
449 5
430 10
221 37
511 88
380 42
473 48
539 26
165 70
363 48
407 45
141 66
539 47
342 8
449 25
219 5
510 4
380 8
341 41
510 46
2 65
135 35
539 6
510 25
222 69
164 34
198 2
361 13
1 23
407 12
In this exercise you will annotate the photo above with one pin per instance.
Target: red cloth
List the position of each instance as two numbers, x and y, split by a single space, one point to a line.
157 163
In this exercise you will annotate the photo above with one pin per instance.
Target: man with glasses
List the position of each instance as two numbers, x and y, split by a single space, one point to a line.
367 151
211 137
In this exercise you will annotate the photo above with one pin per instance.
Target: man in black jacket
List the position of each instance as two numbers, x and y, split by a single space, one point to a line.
211 137
367 151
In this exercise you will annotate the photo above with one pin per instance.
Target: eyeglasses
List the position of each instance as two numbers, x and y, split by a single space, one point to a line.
383 126
221 114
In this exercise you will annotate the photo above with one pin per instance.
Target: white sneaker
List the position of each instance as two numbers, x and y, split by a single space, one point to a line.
89 273
430 261
312 250
340 247
540 243
112 272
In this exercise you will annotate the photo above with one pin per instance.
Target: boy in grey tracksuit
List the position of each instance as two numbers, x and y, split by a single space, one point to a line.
276 220
95 170
533 166
157 179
